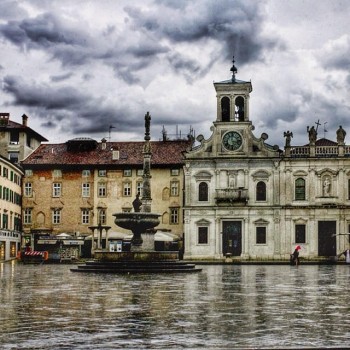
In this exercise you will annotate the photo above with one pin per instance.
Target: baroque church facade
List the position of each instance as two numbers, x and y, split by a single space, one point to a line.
248 200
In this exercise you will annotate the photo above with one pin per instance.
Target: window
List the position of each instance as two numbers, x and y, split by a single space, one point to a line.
4 172
5 219
102 217
261 235
174 188
225 109
13 157
56 189
127 189
102 189
261 191
56 216
28 191
139 188
203 235
127 172
139 172
86 173
12 249
102 173
203 192
300 189
14 137
27 219
174 215
85 216
300 236
85 190
28 172
175 172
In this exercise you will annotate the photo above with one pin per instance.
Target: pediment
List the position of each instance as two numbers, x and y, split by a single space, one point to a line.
202 222
261 222
261 174
203 175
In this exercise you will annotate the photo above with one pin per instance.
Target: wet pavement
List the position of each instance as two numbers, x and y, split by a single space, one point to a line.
222 307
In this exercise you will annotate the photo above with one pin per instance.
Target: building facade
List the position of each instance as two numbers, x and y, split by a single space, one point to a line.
246 199
69 187
17 141
10 209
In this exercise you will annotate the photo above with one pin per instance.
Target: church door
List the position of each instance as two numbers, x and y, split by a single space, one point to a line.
327 238
232 238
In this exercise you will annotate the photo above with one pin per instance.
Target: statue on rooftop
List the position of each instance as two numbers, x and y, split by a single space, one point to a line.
341 135
288 135
312 134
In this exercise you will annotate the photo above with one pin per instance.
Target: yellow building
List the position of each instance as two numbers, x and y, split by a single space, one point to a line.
10 209
72 186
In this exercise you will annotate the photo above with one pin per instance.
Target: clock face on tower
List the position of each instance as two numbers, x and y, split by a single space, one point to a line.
232 140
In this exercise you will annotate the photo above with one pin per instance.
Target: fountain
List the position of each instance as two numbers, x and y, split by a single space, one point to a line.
142 257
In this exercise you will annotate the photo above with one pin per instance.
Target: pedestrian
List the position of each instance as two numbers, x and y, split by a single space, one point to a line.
346 253
294 258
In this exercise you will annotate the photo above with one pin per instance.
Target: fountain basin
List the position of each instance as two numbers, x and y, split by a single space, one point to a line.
137 223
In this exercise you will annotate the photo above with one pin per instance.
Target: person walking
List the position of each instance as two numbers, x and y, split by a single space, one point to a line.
294 258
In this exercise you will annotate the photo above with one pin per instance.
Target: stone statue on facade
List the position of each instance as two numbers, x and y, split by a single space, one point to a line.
326 187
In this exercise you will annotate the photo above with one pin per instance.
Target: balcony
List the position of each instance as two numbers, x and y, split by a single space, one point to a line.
231 196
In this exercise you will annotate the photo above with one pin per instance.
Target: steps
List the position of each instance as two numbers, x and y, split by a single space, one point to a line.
119 267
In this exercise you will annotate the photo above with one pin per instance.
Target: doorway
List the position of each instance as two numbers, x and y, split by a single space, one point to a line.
326 238
232 238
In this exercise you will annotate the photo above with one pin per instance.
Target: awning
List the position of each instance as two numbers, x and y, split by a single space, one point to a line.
47 241
163 236
73 242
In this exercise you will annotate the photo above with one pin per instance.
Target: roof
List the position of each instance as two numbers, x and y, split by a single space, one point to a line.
164 153
16 126
324 142
229 81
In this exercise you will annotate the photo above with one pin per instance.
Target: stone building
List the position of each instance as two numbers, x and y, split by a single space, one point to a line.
71 186
10 209
246 199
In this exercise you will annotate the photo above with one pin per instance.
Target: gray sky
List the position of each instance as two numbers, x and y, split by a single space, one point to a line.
77 67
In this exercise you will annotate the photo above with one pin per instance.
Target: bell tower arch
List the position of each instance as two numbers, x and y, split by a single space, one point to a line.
233 99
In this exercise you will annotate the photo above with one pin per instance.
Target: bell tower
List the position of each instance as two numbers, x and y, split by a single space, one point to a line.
233 99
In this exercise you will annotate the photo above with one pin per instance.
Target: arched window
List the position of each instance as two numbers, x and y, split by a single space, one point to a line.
225 109
261 191
239 102
300 189
203 192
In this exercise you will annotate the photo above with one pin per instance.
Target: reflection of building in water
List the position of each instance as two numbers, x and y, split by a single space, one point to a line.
245 198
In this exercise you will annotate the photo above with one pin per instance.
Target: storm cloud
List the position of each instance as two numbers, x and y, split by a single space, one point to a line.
76 68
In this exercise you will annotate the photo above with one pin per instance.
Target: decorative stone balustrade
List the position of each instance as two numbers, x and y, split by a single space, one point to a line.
227 196
318 151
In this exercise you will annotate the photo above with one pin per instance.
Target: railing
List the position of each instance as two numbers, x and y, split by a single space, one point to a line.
300 151
320 151
231 195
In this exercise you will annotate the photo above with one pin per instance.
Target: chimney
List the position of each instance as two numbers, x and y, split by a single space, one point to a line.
24 120
104 143
4 119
